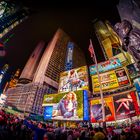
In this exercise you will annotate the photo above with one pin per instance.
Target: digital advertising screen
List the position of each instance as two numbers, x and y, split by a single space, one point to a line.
123 79
125 105
105 66
73 80
68 61
108 81
108 38
137 84
96 110
72 106
132 70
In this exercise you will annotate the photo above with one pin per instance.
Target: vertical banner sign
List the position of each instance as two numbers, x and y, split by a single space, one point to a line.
124 105
122 77
133 95
96 111
48 112
86 106
137 84
68 63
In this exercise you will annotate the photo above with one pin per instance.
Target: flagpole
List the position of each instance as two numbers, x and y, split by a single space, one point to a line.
94 59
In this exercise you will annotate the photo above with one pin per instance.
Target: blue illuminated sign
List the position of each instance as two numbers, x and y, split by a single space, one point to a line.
48 112
86 106
137 84
106 66
68 63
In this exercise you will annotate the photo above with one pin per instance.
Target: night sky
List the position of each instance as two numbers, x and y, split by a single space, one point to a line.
46 17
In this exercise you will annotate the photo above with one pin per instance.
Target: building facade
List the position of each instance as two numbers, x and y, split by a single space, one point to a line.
41 73
11 14
28 97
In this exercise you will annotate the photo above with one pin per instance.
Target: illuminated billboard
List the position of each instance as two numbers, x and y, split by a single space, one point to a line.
108 38
123 79
105 66
75 79
137 84
125 105
108 81
96 110
66 106
110 41
69 63
132 70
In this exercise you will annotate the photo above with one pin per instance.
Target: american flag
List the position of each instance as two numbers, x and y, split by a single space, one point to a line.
92 53
91 49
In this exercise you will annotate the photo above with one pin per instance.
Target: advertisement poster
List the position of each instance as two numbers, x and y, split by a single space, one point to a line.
137 84
48 112
96 110
66 106
122 77
125 105
108 80
132 70
73 80
105 66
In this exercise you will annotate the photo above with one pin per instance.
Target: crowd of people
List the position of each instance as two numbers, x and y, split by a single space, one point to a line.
13 128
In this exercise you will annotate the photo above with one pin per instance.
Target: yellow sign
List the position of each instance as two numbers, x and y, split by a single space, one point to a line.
108 38
108 80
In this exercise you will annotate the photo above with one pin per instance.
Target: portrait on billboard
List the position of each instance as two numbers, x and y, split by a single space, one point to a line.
75 79
65 106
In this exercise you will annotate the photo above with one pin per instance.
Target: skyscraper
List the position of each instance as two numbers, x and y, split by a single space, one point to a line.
11 14
27 74
53 59
41 73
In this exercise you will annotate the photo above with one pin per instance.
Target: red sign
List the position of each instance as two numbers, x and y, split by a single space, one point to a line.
125 105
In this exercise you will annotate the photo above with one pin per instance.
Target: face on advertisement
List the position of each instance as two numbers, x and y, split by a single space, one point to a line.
68 105
71 96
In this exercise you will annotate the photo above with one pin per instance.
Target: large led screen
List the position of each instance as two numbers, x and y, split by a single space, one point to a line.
75 79
96 110
66 106
108 80
132 70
